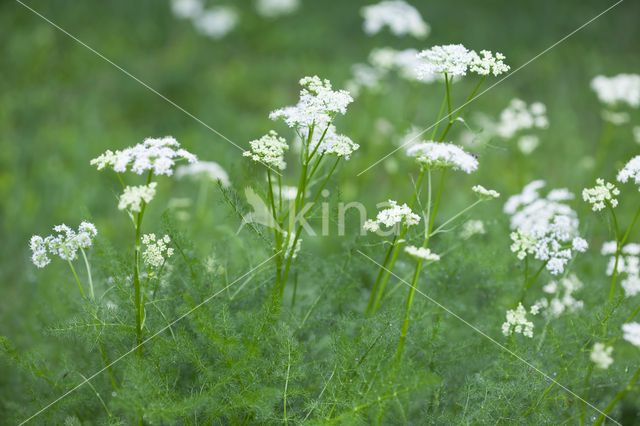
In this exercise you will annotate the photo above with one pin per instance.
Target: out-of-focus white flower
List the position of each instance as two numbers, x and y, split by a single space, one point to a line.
275 8
394 215
269 150
133 196
364 76
318 104
421 253
631 170
472 227
632 333
631 285
563 299
484 193
186 9
216 22
65 243
156 251
628 265
204 169
155 155
518 116
400 17
528 143
616 118
517 322
442 155
601 355
622 88
601 194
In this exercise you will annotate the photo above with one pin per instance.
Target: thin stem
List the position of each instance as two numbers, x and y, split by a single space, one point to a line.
380 273
452 120
76 277
618 397
614 274
136 276
435 128
584 392
439 228
86 264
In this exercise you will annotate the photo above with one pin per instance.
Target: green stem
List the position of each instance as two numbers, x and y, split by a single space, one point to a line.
380 273
614 274
584 392
136 276
452 120
617 398
276 231
86 264
435 128
76 277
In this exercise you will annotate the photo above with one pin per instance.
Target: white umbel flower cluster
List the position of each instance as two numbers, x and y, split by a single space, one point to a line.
269 150
331 142
204 170
628 265
157 155
215 22
156 251
399 16
442 155
517 322
472 227
631 333
562 300
275 8
405 62
65 243
631 170
318 104
484 193
519 116
601 195
622 88
455 60
421 253
394 215
544 227
133 196
601 355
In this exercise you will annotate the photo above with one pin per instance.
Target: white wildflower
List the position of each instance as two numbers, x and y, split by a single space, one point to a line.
133 196
394 215
275 8
451 59
631 170
517 322
563 299
484 193
364 76
186 9
399 16
622 88
601 355
616 118
442 155
631 285
155 155
601 194
528 143
632 333
487 62
156 251
472 227
65 243
204 169
216 22
421 253
519 116
628 265
269 150
330 142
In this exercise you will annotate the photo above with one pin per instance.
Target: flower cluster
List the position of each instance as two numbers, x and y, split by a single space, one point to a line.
631 170
518 116
421 253
472 227
517 322
623 88
274 8
405 62
204 169
544 227
215 22
154 155
601 355
455 60
562 300
632 333
601 194
318 104
484 193
394 215
628 265
156 251
330 142
400 17
65 244
442 155
269 150
133 196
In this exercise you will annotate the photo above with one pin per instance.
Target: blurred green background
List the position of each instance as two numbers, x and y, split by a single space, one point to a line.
61 105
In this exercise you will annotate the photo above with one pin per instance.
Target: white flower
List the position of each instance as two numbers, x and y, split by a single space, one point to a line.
579 244
156 251
518 116
269 150
394 215
487 62
216 22
563 299
623 88
400 17
65 244
631 170
444 155
133 196
632 333
517 322
364 76
405 62
484 193
528 143
601 194
631 285
274 8
330 141
601 355
207 169
471 228
616 118
628 264
421 253
523 243
451 59
318 104
155 155
186 8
